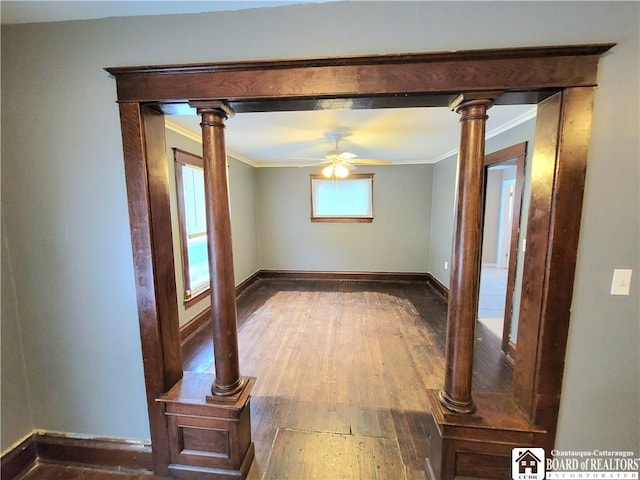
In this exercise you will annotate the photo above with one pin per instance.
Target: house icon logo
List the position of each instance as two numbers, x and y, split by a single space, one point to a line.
527 464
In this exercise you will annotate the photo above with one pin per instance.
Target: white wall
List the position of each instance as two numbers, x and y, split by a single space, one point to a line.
396 241
64 201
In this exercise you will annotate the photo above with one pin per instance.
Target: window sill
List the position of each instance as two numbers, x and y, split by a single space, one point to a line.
193 299
341 220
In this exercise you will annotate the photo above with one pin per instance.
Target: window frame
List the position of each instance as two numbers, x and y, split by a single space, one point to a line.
341 219
181 159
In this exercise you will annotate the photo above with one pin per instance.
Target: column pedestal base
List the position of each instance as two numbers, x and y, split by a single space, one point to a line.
209 437
478 445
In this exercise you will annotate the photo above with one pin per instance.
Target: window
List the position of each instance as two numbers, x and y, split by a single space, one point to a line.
342 200
193 224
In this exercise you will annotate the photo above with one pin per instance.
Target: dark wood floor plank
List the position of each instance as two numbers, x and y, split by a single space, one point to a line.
321 456
46 471
342 370
349 358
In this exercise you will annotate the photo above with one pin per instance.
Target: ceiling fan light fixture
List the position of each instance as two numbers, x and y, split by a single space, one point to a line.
341 171
335 170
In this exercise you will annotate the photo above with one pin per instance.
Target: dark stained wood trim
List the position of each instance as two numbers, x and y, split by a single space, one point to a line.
525 52
182 222
511 351
478 446
535 258
352 176
190 302
568 189
187 158
515 155
438 286
164 265
18 459
228 380
202 319
182 158
499 156
546 312
100 452
462 311
247 283
157 379
194 325
442 72
334 83
341 220
347 276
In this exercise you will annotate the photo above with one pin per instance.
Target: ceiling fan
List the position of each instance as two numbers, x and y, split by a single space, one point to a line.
339 162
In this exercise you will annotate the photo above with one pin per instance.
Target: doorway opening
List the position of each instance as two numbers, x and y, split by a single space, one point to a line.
499 293
560 80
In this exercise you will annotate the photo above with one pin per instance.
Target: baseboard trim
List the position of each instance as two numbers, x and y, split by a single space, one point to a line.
102 453
201 320
109 453
19 459
360 276
511 352
250 281
193 326
439 287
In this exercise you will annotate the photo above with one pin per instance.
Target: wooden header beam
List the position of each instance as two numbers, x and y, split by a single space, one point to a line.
382 75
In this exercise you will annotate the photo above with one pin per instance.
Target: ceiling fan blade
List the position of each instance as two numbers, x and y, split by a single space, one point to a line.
346 155
315 164
308 159
370 161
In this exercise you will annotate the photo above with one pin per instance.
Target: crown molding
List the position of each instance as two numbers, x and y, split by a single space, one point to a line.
528 115
197 138
520 119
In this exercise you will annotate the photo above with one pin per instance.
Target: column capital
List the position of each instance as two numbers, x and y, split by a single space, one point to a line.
217 107
467 99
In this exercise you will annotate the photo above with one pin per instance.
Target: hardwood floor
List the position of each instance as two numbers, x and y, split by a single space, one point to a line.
340 362
342 370
47 471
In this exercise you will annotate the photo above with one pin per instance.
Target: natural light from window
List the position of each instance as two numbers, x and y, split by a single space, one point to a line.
338 200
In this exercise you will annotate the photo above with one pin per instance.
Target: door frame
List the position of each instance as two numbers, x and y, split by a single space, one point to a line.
513 155
560 79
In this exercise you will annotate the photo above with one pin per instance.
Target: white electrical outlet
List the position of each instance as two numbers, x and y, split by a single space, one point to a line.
446 265
621 281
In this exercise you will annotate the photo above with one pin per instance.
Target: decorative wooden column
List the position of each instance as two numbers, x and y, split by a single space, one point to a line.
222 286
455 396
209 415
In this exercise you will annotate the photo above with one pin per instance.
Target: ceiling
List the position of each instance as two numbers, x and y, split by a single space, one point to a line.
401 135
29 11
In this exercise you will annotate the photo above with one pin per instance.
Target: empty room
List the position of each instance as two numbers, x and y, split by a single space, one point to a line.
319 239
